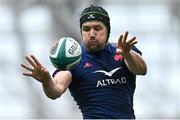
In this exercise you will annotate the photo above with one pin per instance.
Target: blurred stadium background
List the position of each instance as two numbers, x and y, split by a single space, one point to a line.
30 27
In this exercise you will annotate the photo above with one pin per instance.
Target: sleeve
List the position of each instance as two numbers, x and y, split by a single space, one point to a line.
134 48
55 72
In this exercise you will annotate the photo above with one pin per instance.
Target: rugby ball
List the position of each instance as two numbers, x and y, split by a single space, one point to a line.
65 53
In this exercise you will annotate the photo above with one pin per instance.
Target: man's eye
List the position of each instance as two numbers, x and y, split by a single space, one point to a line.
86 28
98 28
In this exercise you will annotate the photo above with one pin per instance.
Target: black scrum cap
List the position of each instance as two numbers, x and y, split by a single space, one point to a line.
96 13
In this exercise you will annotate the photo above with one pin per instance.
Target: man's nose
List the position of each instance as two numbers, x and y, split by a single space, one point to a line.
92 33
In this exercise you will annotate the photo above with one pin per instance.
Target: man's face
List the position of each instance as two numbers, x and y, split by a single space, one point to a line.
94 35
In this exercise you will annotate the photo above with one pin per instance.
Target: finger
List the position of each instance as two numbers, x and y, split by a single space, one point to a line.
28 74
120 40
125 37
27 67
131 40
30 61
133 43
31 75
36 60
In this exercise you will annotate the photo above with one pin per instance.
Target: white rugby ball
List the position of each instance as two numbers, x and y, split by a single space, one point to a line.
66 53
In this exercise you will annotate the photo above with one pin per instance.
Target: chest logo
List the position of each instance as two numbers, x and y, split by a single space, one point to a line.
118 57
87 65
108 73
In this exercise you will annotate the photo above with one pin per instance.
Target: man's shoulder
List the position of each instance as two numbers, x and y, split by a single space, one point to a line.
110 47
112 44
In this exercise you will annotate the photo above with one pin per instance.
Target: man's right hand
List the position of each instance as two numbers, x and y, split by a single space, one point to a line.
36 70
53 87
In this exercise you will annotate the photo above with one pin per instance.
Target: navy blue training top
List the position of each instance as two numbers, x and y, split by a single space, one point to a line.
102 85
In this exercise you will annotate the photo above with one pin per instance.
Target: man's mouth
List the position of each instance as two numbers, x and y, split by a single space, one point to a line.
92 43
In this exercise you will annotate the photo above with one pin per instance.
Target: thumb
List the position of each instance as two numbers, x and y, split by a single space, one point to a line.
44 70
46 73
118 51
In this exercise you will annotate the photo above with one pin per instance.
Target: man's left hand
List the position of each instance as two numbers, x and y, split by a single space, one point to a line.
124 45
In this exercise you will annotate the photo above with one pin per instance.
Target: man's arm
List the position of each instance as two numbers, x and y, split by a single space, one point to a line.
53 87
133 60
135 63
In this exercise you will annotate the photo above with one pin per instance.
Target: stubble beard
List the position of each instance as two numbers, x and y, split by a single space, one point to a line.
94 47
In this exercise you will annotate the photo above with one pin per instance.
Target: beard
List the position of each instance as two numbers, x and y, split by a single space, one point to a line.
94 46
